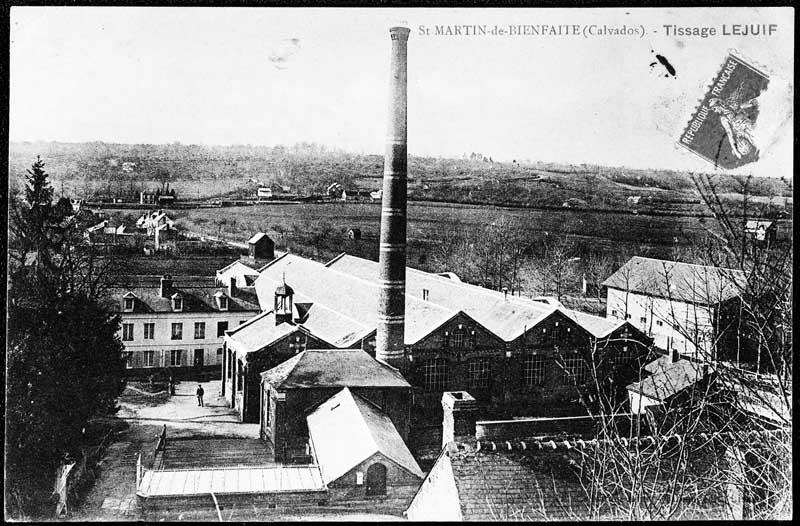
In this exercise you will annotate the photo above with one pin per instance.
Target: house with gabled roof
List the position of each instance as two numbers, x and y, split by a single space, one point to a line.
177 323
683 307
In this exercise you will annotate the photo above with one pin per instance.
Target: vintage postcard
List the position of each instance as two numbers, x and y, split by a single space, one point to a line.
431 263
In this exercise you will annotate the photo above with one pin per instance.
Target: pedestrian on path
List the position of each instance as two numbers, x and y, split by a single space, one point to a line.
171 386
200 395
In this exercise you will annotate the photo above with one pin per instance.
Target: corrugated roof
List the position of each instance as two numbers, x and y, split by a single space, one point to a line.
678 281
346 430
315 368
670 379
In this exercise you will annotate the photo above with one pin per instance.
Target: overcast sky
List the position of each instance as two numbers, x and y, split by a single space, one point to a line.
280 76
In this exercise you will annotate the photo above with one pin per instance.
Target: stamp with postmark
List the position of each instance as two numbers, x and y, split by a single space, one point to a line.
721 128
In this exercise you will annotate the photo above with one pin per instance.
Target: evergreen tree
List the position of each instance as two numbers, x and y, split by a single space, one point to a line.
64 357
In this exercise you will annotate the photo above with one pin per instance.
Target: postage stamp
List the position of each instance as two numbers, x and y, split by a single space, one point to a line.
721 128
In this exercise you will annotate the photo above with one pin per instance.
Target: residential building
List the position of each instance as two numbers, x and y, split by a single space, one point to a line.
761 231
683 307
177 323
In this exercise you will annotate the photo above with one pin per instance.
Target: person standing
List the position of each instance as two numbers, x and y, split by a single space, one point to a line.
200 395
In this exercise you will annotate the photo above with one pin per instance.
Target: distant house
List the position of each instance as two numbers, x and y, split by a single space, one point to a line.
147 197
376 195
261 247
763 232
354 233
683 307
264 193
156 218
128 167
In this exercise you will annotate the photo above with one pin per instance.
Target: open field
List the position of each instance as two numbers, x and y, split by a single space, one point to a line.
101 170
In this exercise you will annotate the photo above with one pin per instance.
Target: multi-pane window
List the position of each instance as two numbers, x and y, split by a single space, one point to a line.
177 331
614 312
622 356
458 339
149 358
222 326
643 320
127 332
199 330
149 331
223 303
128 357
445 339
434 374
473 339
177 303
627 316
533 370
128 304
175 357
659 323
479 372
574 371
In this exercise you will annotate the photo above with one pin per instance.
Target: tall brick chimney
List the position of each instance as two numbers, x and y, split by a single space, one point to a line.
390 339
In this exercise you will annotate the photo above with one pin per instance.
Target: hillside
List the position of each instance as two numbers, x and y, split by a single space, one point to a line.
103 170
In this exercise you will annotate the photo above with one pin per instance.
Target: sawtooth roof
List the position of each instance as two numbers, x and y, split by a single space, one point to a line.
316 368
506 316
678 281
346 430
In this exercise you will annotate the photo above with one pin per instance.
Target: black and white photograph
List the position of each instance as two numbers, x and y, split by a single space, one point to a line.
372 264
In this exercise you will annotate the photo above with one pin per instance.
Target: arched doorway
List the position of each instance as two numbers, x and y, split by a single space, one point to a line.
376 480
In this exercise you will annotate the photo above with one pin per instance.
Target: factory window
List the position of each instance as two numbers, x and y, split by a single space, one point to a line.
199 330
127 332
659 323
473 339
614 313
149 331
533 371
643 320
445 339
458 339
222 326
175 358
623 356
627 316
149 358
177 331
574 370
479 371
435 374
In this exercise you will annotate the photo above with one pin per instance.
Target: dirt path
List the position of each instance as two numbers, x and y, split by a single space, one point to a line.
112 497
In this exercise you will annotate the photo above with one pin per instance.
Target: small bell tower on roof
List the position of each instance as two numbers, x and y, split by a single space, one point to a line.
283 303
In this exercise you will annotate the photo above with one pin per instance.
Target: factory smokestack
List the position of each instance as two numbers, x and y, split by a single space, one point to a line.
390 340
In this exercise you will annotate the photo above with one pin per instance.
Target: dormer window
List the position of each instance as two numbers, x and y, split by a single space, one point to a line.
222 300
177 302
128 301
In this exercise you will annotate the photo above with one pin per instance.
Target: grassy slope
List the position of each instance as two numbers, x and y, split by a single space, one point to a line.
195 171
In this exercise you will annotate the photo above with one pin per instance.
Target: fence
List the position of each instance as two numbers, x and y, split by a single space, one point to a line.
72 477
